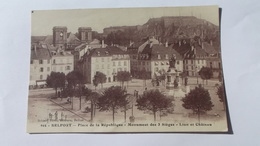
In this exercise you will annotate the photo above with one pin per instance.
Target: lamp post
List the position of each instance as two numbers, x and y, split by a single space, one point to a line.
197 75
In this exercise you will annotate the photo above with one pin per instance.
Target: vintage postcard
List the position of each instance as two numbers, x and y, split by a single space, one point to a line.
126 70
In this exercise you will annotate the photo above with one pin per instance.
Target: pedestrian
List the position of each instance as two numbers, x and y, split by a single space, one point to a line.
61 116
56 115
50 116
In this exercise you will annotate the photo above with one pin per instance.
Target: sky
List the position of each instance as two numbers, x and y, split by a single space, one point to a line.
44 20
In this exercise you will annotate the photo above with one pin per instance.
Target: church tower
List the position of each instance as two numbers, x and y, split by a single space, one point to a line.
60 36
85 34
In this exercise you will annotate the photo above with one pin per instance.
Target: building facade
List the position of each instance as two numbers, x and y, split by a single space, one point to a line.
40 66
109 61
154 59
62 61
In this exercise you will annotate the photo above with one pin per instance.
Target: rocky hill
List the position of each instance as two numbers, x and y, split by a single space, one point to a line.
165 29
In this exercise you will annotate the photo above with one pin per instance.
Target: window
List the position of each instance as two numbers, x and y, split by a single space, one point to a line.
31 61
155 63
67 67
48 61
114 64
124 63
108 66
102 66
40 61
102 59
41 69
54 61
48 68
54 69
177 62
119 63
61 68
159 56
114 70
41 77
96 59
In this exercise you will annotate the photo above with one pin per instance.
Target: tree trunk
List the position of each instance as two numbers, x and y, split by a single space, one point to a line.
56 91
94 109
160 114
125 113
199 114
113 114
79 102
132 109
71 102
154 116
91 110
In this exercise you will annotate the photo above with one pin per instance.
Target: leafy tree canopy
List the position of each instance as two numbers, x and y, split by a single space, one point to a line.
198 100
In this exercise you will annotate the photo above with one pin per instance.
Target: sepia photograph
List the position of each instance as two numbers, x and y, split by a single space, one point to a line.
126 70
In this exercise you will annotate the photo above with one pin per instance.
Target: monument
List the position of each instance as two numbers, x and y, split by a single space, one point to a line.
173 84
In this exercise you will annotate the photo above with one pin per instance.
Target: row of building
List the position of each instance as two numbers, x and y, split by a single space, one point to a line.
67 52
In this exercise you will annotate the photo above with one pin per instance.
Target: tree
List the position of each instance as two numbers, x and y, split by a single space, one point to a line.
68 92
144 75
198 100
56 80
154 100
95 83
100 78
123 76
221 95
75 82
74 78
113 99
92 97
205 73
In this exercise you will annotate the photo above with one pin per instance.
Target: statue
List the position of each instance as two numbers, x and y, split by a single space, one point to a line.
172 61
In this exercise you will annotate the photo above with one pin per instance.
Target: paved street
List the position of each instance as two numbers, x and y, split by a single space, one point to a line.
41 106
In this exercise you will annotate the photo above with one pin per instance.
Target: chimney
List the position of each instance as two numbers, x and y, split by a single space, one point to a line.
166 44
